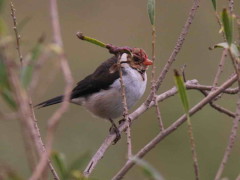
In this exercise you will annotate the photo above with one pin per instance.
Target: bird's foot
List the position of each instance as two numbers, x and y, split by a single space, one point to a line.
120 122
114 129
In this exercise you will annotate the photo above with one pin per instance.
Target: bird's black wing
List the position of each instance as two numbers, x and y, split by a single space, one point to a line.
100 79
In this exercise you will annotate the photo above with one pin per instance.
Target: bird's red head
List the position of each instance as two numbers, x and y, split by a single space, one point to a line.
140 53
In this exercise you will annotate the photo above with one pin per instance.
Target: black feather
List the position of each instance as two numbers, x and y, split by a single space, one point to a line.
100 79
50 102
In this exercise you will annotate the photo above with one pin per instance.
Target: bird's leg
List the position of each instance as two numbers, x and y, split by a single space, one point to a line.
114 129
121 121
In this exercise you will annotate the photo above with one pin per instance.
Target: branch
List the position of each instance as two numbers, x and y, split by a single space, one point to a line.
125 108
18 37
179 44
53 121
173 127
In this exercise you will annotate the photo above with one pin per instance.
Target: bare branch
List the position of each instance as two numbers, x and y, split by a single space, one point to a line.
178 46
125 109
220 68
53 121
18 37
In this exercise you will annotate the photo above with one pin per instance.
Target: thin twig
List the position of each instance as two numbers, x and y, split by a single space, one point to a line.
209 88
53 121
18 37
125 108
153 83
173 127
177 47
220 68
218 107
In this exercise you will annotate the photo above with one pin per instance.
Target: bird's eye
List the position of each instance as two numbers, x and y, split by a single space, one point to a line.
136 59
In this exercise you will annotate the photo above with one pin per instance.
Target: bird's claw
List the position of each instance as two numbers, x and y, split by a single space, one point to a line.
114 129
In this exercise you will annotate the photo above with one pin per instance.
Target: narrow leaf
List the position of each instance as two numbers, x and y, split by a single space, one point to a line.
181 90
150 171
59 161
2 5
26 73
79 162
214 4
3 28
183 95
151 11
8 98
91 40
227 20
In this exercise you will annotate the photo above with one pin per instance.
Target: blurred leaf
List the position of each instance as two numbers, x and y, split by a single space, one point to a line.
3 75
77 175
55 48
1 5
7 96
23 23
79 162
148 170
59 161
181 90
151 11
214 4
26 73
227 20
3 28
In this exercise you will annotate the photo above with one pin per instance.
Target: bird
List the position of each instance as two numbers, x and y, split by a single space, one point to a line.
100 92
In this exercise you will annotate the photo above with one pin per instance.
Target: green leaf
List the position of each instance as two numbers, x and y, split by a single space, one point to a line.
23 23
181 90
79 162
59 161
227 20
151 11
8 98
1 5
91 40
214 4
148 170
26 72
3 28
3 75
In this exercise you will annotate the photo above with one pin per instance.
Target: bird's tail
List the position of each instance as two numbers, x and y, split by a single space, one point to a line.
50 102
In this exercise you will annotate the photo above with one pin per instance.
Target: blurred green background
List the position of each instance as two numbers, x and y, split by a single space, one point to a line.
126 23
